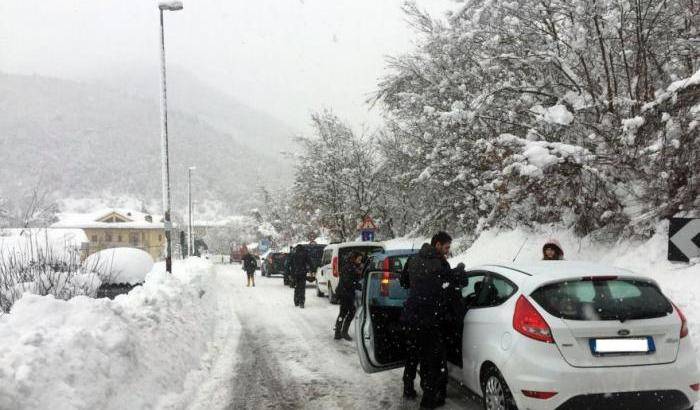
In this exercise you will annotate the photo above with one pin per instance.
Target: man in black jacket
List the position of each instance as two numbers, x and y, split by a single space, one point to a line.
299 267
428 311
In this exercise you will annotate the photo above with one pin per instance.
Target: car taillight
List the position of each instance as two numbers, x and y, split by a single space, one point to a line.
684 322
334 266
542 395
528 321
384 283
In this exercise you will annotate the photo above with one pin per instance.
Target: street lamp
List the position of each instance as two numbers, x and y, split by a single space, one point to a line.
190 241
165 165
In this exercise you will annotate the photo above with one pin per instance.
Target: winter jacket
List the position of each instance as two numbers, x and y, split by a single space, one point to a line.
249 263
349 281
299 262
553 243
432 294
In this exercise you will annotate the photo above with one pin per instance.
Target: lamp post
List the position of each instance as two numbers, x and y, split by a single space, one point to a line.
165 165
190 240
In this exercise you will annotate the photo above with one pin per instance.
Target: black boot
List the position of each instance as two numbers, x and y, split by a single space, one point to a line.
346 327
409 392
337 335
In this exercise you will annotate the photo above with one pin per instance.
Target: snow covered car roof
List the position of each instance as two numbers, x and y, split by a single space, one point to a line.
537 273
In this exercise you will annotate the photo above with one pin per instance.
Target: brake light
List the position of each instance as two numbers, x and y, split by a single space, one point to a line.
684 322
528 321
542 395
334 266
384 283
695 387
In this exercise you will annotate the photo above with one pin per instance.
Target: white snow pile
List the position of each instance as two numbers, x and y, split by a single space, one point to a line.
679 281
532 158
108 354
120 265
556 114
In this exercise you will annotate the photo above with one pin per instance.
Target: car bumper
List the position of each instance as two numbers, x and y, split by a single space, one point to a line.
662 386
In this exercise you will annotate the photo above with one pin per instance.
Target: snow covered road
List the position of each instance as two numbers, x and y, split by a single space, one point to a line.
269 354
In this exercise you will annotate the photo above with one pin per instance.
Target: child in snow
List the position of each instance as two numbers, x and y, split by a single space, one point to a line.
552 251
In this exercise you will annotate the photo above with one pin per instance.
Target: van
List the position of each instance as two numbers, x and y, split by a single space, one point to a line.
332 261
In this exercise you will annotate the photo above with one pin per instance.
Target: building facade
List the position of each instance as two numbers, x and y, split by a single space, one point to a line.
117 228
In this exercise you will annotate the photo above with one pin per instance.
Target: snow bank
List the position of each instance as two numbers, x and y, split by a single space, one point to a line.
99 353
679 281
120 265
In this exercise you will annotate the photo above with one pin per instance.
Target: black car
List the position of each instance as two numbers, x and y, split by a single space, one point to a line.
274 264
315 252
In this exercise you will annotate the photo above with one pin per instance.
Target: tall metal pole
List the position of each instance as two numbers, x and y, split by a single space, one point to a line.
165 165
189 212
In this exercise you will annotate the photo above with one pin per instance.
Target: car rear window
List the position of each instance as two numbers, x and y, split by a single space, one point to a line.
599 298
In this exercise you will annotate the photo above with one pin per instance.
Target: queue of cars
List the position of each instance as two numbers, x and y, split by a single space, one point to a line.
548 335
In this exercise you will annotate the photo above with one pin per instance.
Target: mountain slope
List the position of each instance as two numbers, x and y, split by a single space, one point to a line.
83 139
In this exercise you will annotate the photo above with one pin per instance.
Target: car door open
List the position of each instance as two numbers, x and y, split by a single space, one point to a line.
379 333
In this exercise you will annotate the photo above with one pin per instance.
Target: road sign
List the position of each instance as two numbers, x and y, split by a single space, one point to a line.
367 224
683 239
368 235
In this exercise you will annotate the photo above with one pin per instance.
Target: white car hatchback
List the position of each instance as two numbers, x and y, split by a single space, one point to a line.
551 335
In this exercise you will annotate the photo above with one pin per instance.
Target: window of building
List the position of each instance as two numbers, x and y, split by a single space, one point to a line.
160 238
108 237
134 238
94 238
119 238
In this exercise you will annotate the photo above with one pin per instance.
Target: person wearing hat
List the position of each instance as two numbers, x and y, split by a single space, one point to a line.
552 251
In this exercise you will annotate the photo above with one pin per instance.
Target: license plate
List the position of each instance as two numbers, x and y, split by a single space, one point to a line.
623 345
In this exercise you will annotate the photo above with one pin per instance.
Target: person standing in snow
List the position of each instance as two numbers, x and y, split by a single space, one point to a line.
349 281
249 266
552 251
427 314
299 267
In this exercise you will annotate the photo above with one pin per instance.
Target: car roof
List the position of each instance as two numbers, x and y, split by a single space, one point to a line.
355 244
553 270
396 252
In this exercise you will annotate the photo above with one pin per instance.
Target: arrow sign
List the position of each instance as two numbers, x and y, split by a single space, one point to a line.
683 239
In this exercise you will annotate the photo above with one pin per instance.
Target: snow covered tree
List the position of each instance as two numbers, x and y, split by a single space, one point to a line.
337 176
497 83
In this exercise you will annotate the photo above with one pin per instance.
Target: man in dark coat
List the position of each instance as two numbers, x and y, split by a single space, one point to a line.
249 266
349 281
428 312
299 267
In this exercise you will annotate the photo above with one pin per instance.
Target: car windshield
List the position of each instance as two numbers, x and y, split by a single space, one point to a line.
603 299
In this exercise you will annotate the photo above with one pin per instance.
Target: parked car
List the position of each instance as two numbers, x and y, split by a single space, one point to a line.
274 264
552 335
314 250
334 256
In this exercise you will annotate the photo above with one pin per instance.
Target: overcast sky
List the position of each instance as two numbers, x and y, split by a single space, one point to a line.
287 57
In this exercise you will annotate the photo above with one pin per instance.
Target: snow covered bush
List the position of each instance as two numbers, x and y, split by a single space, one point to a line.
34 263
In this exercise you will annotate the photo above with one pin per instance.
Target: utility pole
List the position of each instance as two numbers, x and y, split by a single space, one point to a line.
190 239
165 165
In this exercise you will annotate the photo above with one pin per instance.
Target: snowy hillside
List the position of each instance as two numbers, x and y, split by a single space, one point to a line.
108 141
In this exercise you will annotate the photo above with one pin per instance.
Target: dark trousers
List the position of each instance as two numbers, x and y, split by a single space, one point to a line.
299 290
347 312
412 354
433 363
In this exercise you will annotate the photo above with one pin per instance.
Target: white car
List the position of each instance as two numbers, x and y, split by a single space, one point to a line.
551 335
334 256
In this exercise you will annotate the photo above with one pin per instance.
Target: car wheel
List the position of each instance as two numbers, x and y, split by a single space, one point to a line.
497 395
